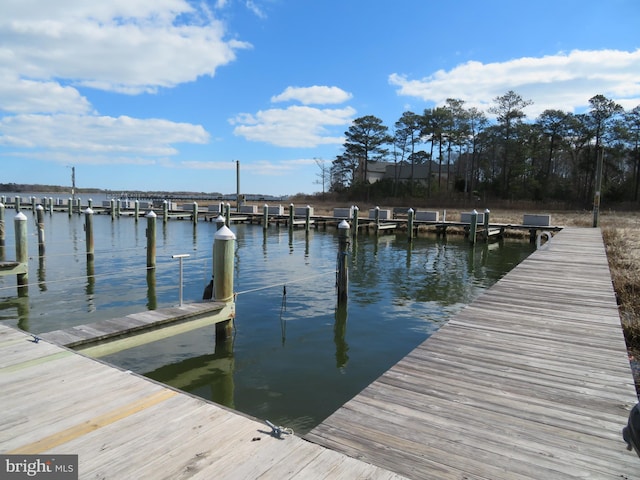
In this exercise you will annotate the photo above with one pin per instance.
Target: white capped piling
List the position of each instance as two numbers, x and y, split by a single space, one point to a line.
410 214
112 208
136 209
473 226
40 227
486 224
70 206
88 231
165 211
377 218
220 222
78 207
118 207
194 215
342 276
265 216
355 220
223 255
90 203
151 239
33 204
2 231
22 253
307 218
51 205
227 214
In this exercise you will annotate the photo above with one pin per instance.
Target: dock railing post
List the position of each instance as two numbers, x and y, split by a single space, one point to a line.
40 226
180 277
473 226
151 239
88 230
410 214
22 252
342 275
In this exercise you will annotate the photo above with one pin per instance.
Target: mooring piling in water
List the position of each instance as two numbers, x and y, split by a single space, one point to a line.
40 227
223 255
194 215
410 215
220 222
486 224
227 214
342 276
88 230
136 209
151 239
2 231
22 251
265 216
473 227
355 212
165 211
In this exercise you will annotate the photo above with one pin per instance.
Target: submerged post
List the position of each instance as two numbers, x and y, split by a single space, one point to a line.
223 255
473 226
343 273
22 253
410 223
151 239
88 231
40 226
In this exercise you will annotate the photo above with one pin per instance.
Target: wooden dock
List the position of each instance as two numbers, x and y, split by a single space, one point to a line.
122 425
531 381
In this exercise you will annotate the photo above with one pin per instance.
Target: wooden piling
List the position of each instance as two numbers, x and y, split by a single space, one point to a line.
223 255
307 219
265 216
194 216
78 207
16 203
165 211
40 227
342 277
33 204
377 219
50 205
220 222
112 208
118 207
88 230
410 214
473 227
2 231
291 216
355 220
22 252
227 214
486 224
136 210
151 239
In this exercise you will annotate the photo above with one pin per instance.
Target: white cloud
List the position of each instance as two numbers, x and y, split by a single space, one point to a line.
128 46
18 95
319 95
98 134
562 81
295 126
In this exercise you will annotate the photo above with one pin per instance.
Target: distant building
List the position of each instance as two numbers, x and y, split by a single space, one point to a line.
377 171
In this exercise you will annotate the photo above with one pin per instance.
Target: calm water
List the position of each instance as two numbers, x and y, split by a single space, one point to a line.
293 358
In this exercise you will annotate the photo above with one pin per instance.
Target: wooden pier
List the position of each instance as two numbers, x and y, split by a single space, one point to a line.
531 381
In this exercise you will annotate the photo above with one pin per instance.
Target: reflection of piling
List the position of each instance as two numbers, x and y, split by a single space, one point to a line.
22 253
339 336
151 239
223 255
343 273
88 230
40 227
410 214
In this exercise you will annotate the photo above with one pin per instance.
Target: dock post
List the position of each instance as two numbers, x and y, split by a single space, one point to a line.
223 255
355 212
194 217
88 231
78 207
291 207
16 203
165 211
410 223
50 205
220 222
307 219
265 216
377 219
486 224
40 226
473 226
90 203
151 239
112 204
343 271
2 231
22 252
118 205
136 209
227 215
33 204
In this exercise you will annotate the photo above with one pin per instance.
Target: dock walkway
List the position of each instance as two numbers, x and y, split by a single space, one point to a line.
531 381
122 425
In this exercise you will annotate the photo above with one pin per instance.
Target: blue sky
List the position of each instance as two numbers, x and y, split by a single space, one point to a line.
168 94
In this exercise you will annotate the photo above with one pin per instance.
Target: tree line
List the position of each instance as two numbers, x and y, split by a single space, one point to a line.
552 158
